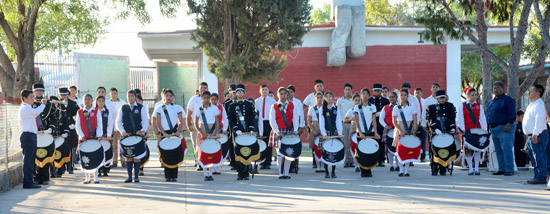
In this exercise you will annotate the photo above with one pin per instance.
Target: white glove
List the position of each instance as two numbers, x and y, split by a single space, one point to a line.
437 131
239 132
71 126
64 135
48 131
453 131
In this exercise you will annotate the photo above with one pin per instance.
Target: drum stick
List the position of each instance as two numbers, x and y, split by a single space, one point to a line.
332 137
40 132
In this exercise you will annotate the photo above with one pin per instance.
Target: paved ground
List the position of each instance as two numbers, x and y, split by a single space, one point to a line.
306 192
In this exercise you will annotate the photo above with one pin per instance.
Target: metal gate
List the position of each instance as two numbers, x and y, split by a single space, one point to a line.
144 78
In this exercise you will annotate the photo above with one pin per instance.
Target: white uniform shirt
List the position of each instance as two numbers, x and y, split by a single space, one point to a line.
344 105
481 121
79 101
224 121
258 104
273 121
368 111
428 102
534 121
99 128
297 102
144 119
194 103
350 113
173 111
210 114
422 112
27 117
310 100
409 112
118 104
313 114
112 108
154 114
382 118
322 122
416 104
110 121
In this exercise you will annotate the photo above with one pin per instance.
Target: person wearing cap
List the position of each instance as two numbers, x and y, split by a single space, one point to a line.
233 91
318 86
263 105
501 118
345 103
71 109
45 121
427 102
61 130
534 126
194 103
445 111
379 102
241 115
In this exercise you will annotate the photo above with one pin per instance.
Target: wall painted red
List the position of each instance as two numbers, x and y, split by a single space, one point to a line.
421 65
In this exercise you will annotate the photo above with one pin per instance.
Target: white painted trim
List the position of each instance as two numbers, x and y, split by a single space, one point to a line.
453 77
208 76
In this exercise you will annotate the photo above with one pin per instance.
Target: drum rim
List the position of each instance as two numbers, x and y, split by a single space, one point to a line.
89 142
122 140
223 137
434 143
262 143
210 141
337 140
290 136
247 136
176 142
59 138
413 137
373 143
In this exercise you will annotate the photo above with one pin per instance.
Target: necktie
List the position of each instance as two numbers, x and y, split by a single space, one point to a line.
420 107
263 109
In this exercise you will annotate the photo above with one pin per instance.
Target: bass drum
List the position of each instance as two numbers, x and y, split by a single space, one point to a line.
62 152
171 152
366 153
210 153
353 143
290 146
133 147
317 153
477 139
444 149
247 149
408 149
92 156
108 149
333 152
45 149
389 141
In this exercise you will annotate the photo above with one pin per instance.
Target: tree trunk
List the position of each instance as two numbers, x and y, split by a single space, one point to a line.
546 96
513 86
487 94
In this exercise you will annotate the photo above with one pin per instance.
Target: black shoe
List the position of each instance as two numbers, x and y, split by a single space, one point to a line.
114 165
210 178
199 168
363 175
246 178
401 175
470 173
434 173
174 180
240 178
105 174
392 169
169 179
411 164
32 186
498 173
287 177
216 173
347 165
319 171
333 175
369 174
86 182
407 175
136 180
141 173
357 170
477 173
508 173
535 181
280 177
381 165
123 164
396 168
129 180
207 178
70 171
96 182
327 175
443 173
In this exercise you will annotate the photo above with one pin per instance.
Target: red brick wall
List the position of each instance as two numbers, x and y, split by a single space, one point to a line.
421 65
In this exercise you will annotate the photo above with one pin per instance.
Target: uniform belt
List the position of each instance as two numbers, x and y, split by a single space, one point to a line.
531 135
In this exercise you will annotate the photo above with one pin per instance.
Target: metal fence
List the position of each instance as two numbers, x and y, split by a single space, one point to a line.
56 71
144 78
10 149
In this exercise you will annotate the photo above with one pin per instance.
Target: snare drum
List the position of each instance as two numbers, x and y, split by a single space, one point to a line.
477 139
45 149
366 153
263 146
210 153
389 141
171 152
317 153
290 146
353 143
247 149
224 140
333 151
444 149
62 152
408 149
91 154
133 147
108 149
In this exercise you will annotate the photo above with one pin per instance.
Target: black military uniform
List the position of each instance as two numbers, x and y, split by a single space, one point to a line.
60 122
379 103
236 109
229 144
447 112
44 121
71 110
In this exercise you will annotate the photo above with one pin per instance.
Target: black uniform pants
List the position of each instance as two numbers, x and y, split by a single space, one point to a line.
268 152
42 173
170 172
242 169
28 145
381 144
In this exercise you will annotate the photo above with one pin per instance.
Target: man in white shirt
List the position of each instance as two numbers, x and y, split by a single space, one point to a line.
534 126
263 105
421 132
412 99
194 103
117 102
74 96
29 129
431 99
344 105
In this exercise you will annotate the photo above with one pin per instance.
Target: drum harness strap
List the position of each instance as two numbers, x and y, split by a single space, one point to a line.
369 131
317 113
241 118
168 118
471 113
282 110
404 119
131 119
330 125
440 117
205 122
105 119
87 117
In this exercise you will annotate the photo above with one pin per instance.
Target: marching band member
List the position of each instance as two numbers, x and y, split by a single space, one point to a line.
344 104
294 165
89 125
309 101
330 124
224 122
314 113
232 98
194 103
386 120
263 104
404 111
386 92
379 102
208 125
45 124
117 102
480 121
108 122
241 119
446 112
350 119
365 116
280 115
74 96
165 114
60 122
27 124
70 109
128 113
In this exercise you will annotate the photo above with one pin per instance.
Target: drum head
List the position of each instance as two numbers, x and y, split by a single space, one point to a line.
223 139
391 133
89 146
442 140
59 142
210 146
170 143
246 139
105 144
290 139
333 145
130 141
368 146
262 144
409 141
43 140
478 131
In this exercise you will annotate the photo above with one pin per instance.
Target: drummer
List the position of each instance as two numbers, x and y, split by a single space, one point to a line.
60 121
280 124
208 125
405 126
44 120
330 124
224 125
365 116
465 123
445 111
89 125
313 114
71 108
350 118
108 124
124 125
165 114
241 114
386 120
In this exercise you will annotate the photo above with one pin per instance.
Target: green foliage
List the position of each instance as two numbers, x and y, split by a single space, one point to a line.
321 15
471 67
243 38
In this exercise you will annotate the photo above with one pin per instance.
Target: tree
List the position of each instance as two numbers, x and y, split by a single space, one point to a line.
321 15
242 38
471 66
